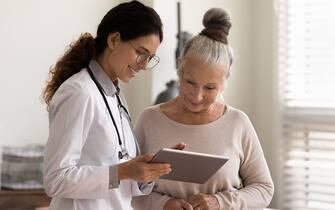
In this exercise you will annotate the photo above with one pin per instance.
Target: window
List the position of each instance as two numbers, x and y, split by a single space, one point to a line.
306 66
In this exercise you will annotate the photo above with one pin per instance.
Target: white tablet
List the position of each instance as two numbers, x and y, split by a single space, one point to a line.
189 166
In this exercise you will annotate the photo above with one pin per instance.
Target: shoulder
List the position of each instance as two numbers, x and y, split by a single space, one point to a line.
150 112
243 124
237 114
76 88
147 118
78 81
239 119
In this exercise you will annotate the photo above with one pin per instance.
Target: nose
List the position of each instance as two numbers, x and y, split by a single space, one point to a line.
143 65
197 94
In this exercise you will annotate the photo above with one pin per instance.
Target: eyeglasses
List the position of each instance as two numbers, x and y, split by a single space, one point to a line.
144 57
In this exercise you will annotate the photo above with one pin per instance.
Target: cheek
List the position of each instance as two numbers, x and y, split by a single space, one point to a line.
124 57
211 97
184 89
116 62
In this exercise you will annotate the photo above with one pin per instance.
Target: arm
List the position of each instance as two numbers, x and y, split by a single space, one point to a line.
155 200
256 192
70 117
139 132
257 189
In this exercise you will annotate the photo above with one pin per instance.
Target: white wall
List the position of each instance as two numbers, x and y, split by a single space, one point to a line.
264 108
34 34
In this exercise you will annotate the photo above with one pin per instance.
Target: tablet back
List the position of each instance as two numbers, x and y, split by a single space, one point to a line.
189 166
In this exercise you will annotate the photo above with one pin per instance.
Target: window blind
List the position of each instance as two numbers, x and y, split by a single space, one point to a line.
306 66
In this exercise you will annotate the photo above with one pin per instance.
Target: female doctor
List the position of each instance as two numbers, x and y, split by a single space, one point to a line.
90 158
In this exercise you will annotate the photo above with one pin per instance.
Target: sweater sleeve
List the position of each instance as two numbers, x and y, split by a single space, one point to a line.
257 189
155 200
139 132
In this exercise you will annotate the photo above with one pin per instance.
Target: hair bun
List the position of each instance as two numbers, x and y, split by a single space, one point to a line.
217 24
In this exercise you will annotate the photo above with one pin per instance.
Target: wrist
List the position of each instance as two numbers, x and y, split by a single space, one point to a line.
122 171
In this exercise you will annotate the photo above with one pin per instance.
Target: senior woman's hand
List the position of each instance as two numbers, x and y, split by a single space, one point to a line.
179 146
204 202
177 204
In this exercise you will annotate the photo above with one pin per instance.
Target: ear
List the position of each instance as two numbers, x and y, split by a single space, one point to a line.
113 39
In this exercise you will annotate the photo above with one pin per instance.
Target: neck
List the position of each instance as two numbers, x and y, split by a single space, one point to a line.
102 60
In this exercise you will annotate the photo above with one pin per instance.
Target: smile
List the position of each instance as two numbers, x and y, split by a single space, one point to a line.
195 104
132 70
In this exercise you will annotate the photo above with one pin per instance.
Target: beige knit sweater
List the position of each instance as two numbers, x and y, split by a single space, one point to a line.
243 183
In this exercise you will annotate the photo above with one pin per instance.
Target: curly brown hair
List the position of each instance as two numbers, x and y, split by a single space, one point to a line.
75 58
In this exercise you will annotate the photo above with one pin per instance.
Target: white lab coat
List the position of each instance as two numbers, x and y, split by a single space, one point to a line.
83 144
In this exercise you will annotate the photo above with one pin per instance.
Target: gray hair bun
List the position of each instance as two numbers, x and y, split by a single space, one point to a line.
217 24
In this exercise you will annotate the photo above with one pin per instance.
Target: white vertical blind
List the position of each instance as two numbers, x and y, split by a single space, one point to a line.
306 66
307 52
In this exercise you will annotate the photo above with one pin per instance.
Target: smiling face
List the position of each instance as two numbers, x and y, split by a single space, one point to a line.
124 59
200 84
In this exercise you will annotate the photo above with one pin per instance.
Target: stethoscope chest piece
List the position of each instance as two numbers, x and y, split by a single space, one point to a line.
120 155
123 154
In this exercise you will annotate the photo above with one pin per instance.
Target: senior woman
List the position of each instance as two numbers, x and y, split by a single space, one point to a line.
206 125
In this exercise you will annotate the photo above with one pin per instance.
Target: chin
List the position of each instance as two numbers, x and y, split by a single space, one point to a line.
195 108
126 78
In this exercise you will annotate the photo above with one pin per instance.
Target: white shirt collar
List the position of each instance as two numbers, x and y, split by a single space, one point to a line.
106 83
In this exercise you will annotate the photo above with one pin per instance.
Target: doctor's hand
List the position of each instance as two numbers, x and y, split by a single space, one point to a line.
140 170
204 202
177 204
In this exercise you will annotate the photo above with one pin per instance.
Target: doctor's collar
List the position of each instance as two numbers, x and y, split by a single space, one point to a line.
110 88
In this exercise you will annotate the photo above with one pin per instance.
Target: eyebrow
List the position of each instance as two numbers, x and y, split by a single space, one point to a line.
145 49
211 84
190 76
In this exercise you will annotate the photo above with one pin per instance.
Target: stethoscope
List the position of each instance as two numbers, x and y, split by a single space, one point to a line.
123 153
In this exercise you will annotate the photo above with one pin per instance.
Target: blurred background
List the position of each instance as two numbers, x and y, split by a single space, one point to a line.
283 78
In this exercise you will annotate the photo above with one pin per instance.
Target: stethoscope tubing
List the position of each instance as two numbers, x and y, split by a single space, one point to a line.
101 90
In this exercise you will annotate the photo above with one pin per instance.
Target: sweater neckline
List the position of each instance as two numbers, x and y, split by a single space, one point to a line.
218 120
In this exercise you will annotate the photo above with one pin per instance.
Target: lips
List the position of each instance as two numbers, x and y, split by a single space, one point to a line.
194 103
132 70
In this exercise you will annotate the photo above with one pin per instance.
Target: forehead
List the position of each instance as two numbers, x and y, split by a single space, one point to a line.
198 70
149 42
